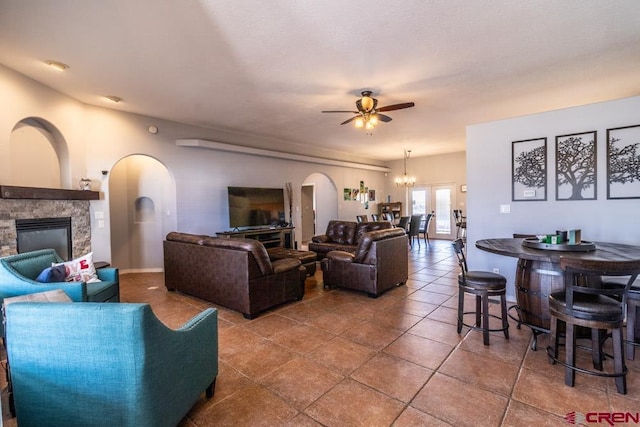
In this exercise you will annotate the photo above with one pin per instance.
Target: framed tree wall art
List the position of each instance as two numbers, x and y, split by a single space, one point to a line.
529 169
623 162
576 166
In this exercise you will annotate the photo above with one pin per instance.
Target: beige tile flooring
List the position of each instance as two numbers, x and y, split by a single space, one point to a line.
339 358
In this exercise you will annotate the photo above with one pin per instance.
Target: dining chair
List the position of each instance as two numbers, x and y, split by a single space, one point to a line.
404 223
414 229
425 223
482 284
362 218
595 307
375 217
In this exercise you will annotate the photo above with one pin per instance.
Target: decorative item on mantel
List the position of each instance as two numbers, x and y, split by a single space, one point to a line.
85 184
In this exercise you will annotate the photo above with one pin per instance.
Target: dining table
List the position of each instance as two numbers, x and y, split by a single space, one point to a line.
538 273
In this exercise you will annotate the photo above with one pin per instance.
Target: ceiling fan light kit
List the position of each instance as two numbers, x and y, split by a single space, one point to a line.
367 114
367 102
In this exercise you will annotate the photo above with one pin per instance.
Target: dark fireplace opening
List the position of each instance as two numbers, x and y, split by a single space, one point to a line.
45 233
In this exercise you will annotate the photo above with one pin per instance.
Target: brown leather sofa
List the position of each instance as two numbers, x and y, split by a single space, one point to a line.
379 262
234 273
343 236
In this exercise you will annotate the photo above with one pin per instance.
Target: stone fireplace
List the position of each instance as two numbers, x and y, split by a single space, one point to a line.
33 203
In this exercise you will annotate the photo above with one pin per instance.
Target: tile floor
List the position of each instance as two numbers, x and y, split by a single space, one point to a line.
339 358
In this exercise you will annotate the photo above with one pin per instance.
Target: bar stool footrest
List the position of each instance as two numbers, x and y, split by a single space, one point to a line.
583 370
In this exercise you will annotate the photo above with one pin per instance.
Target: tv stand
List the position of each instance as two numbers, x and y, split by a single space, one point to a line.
270 237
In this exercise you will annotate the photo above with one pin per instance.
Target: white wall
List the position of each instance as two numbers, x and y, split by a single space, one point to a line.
447 168
97 138
489 182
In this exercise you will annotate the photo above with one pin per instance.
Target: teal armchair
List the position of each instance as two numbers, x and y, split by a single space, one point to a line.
18 274
97 364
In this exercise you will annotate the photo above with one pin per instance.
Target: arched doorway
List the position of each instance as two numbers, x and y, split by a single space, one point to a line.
323 191
142 207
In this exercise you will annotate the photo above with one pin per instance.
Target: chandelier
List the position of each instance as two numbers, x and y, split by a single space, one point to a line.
406 180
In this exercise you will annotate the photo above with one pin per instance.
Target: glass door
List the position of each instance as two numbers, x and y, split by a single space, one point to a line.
440 200
420 200
444 196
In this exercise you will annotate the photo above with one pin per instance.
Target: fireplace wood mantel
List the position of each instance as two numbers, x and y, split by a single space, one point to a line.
34 193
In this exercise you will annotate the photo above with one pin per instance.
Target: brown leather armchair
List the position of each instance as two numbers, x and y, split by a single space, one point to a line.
234 273
343 236
380 262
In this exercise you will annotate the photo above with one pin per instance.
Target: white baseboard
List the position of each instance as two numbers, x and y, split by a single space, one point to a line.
142 270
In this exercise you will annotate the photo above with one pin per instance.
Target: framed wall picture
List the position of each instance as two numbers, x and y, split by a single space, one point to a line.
576 166
623 162
529 170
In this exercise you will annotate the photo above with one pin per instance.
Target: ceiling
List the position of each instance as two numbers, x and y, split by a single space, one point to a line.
267 69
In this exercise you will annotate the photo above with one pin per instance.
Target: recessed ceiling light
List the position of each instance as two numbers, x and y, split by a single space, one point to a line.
113 98
56 65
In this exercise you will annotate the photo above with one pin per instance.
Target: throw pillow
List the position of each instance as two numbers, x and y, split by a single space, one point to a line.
81 269
54 274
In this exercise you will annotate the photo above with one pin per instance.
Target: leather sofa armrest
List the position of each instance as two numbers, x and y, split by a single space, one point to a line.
340 256
285 264
323 238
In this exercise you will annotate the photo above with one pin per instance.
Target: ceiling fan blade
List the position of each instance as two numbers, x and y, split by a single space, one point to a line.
384 118
397 106
350 120
340 111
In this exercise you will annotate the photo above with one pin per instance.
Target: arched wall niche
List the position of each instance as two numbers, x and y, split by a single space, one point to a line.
36 155
144 210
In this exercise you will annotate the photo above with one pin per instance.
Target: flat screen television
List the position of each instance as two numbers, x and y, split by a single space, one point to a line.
255 207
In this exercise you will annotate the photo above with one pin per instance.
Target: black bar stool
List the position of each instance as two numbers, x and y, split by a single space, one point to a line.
482 284
594 307
633 305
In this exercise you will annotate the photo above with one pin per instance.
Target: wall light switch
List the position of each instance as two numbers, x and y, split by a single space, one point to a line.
99 215
101 223
505 209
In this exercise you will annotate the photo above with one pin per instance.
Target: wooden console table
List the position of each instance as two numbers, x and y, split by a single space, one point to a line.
271 237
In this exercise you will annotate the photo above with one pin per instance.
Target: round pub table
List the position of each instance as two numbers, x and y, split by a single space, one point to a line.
538 274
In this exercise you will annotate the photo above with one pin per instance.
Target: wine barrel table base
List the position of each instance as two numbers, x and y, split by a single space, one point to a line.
535 280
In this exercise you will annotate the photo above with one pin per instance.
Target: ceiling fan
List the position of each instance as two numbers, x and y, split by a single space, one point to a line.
368 113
